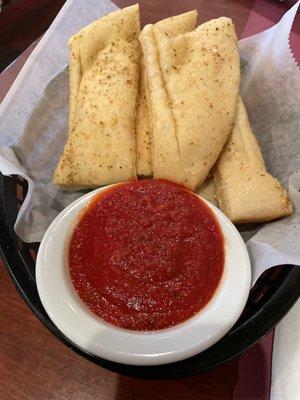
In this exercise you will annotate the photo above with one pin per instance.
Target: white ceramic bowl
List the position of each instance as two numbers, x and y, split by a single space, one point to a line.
89 332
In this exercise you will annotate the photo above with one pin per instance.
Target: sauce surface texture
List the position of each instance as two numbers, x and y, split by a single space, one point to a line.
146 255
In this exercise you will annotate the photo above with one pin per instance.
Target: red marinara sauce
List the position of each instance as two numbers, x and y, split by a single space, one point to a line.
146 255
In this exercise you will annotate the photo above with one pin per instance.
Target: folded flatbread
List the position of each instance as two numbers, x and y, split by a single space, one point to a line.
245 191
104 73
192 87
172 27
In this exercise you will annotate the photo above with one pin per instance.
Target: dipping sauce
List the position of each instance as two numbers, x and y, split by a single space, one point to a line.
146 255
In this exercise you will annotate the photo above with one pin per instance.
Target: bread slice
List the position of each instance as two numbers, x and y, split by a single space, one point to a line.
104 73
245 191
172 27
193 83
143 129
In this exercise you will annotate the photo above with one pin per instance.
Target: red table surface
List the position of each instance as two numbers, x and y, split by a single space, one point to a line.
33 363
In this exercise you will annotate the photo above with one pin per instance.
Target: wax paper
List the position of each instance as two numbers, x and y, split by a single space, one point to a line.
34 115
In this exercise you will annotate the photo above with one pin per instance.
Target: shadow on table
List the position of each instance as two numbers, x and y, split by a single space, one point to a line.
255 372
243 378
217 384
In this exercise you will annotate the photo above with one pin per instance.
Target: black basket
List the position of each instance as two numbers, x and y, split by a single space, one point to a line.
272 296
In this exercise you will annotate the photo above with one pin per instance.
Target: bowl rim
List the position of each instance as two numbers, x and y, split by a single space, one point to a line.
103 340
283 284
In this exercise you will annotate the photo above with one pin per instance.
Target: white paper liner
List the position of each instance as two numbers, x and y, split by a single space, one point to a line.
33 126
